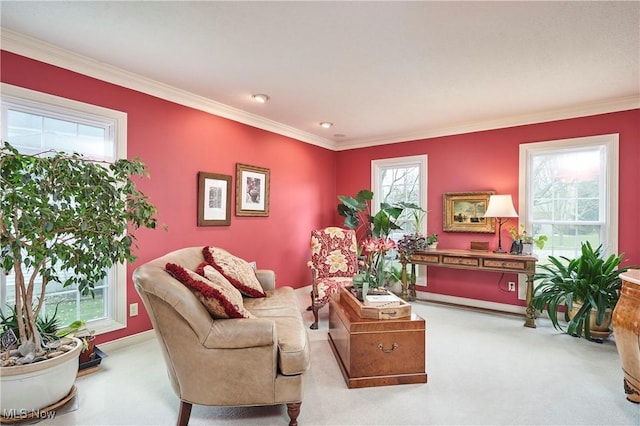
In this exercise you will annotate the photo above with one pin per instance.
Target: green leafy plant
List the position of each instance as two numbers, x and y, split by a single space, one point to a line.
47 326
524 237
589 280
432 238
78 329
63 212
357 213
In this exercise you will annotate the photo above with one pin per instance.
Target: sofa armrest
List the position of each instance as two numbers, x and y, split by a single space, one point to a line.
267 279
241 333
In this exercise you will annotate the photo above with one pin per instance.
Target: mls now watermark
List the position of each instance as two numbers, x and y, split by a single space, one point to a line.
23 414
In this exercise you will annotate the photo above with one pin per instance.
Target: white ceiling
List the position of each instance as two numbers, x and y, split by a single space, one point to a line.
381 71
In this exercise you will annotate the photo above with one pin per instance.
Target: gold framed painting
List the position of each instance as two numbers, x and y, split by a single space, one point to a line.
252 190
464 212
214 199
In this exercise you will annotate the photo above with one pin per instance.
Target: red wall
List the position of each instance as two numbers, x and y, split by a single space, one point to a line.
489 160
176 142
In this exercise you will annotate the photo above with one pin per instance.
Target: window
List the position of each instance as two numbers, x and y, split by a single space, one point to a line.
34 122
401 179
569 192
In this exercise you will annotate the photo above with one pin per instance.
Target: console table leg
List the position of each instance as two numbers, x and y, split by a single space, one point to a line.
530 315
412 285
403 278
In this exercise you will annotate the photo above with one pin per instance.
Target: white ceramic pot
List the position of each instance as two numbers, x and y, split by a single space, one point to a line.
31 387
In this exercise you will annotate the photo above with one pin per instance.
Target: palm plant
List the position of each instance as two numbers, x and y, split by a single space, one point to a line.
589 281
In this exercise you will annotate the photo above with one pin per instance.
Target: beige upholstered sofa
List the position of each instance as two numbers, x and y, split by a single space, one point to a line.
226 362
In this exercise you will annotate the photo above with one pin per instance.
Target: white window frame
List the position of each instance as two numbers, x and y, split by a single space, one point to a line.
610 143
414 160
26 99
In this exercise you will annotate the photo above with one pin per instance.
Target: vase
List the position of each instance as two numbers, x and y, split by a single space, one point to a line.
626 326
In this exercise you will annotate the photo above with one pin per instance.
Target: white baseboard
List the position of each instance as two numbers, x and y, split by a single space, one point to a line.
463 301
128 341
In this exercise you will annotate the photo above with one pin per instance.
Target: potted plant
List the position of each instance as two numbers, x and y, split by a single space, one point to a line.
432 241
79 330
374 274
373 234
47 326
409 244
523 242
357 215
61 213
587 287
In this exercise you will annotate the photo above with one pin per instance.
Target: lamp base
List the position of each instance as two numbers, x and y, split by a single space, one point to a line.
499 251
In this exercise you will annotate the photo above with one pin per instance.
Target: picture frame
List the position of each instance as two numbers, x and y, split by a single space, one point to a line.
252 190
464 212
214 199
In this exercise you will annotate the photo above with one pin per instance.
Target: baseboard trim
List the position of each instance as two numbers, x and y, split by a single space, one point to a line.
128 341
425 296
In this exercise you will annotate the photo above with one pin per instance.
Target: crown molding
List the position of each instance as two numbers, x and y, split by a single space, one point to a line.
584 110
20 44
36 49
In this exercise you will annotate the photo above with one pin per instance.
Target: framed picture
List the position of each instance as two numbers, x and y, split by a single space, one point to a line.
214 199
464 212
252 190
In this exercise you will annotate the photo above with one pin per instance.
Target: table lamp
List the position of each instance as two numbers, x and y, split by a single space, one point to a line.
500 207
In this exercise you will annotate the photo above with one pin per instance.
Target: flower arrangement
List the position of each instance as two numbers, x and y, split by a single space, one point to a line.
373 273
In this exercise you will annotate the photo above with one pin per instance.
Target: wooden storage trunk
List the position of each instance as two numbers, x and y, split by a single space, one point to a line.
371 312
372 352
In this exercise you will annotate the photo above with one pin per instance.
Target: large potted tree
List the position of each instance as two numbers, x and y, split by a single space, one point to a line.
586 288
65 219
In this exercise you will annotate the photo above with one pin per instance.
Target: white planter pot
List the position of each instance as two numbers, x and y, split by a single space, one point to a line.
31 387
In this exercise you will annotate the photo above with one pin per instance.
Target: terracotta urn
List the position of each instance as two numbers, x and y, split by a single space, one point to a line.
626 326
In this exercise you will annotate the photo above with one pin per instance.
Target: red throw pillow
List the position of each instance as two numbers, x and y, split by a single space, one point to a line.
238 271
221 300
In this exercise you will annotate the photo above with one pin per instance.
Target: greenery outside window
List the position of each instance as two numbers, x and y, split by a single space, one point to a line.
394 180
569 192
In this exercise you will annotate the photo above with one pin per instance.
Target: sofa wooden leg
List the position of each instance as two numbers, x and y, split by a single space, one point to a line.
185 413
294 410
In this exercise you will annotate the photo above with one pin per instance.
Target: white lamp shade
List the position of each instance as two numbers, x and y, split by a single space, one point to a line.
500 206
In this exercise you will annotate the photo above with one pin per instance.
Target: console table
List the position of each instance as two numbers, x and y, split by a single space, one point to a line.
478 261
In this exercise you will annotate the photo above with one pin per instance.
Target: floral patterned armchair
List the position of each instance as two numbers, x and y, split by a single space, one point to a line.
334 262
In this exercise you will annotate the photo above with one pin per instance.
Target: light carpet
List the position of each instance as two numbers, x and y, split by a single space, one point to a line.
483 369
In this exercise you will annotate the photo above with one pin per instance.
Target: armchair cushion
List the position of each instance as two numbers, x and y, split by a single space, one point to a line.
330 286
238 271
220 298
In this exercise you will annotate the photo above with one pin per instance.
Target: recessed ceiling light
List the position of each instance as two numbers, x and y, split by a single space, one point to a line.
262 98
326 124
